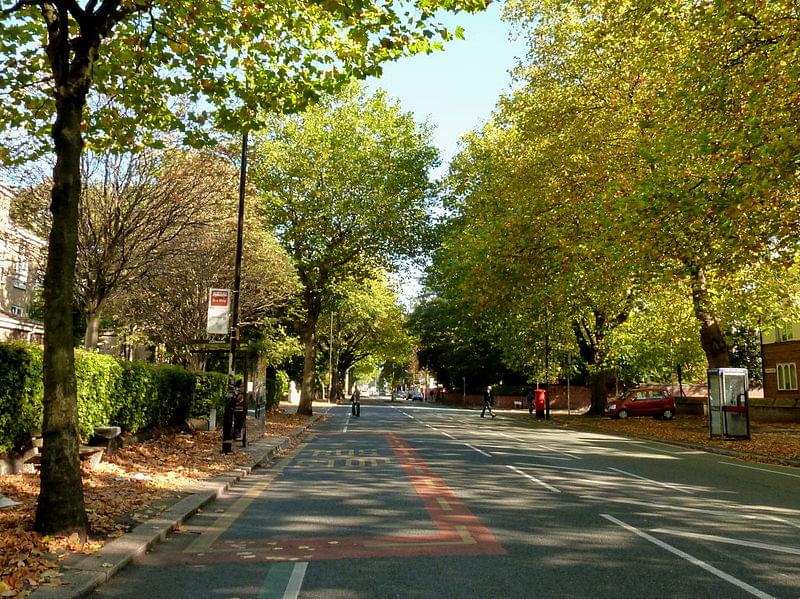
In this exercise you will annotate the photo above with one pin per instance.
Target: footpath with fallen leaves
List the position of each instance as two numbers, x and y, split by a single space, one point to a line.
771 442
127 488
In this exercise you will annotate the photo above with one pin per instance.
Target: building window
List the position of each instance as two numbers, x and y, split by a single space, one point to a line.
784 333
21 273
17 310
787 376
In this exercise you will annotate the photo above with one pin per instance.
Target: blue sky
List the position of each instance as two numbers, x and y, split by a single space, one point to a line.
457 89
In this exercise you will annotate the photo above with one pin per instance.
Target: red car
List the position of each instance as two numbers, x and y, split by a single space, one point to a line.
643 401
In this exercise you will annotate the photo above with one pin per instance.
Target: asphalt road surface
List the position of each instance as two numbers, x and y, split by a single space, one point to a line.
419 501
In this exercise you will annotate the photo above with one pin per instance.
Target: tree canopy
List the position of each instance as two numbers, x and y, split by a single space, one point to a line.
345 189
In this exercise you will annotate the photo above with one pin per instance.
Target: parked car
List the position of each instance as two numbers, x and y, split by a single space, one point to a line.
643 401
417 396
400 394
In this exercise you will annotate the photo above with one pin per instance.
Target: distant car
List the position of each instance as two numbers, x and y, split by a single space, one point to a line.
643 401
417 396
400 394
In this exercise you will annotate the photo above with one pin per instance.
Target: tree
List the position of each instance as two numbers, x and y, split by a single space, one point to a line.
364 323
645 145
135 207
146 68
168 306
345 188
711 101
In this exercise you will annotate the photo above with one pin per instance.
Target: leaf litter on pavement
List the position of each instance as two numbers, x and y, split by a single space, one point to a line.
130 486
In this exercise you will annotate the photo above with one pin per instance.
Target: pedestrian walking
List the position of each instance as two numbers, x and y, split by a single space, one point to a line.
355 402
239 411
488 402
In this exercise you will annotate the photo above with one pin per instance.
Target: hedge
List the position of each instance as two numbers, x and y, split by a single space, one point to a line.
132 395
275 389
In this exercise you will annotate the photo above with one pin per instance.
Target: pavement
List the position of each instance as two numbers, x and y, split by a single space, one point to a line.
84 576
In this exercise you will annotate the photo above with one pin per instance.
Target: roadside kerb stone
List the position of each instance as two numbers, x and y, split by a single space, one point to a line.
83 577
733 453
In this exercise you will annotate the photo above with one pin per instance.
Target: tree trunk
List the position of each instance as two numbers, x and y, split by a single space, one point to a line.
711 338
92 335
588 348
309 340
598 385
60 508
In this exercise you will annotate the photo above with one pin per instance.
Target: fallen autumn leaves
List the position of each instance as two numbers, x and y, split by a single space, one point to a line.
127 488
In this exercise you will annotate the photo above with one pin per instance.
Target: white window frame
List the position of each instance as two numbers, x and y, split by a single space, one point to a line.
21 272
18 310
787 376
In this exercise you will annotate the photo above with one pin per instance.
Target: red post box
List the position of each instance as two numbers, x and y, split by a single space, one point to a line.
540 397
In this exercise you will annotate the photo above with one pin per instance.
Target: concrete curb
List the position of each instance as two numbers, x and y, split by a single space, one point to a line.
85 576
732 453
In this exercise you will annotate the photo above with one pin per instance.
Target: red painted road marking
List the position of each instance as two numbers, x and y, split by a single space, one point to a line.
458 530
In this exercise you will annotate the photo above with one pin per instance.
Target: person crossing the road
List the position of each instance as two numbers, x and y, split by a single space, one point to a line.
355 402
488 402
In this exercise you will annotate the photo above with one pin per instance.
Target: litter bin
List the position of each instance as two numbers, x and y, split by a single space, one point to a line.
540 398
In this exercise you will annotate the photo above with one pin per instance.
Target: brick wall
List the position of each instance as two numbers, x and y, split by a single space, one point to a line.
778 353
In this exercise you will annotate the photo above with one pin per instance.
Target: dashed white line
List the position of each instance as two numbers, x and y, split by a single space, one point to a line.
690 558
762 469
738 515
678 488
295 581
347 423
533 478
728 541
488 455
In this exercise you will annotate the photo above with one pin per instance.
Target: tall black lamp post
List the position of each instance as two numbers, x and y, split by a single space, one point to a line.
230 407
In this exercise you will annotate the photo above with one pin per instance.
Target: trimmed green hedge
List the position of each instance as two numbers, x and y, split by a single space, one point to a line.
132 395
21 390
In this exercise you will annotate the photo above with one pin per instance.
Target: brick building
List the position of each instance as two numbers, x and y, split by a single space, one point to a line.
22 258
781 350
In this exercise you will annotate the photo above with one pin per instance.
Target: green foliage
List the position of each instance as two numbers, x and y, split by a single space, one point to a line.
98 377
210 392
155 52
132 395
345 188
275 389
636 188
21 390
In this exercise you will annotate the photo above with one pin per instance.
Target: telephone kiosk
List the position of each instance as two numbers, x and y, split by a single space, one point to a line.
728 405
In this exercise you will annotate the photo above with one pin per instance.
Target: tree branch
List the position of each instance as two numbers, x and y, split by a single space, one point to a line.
20 5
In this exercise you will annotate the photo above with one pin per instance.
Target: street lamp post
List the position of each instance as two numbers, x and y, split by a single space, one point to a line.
230 407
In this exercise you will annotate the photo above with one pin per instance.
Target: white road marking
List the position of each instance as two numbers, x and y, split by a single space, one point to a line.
347 423
572 469
533 478
678 488
539 445
728 540
448 435
761 469
690 558
295 581
488 455
737 515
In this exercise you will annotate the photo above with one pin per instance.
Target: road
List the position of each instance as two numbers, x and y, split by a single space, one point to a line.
419 501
